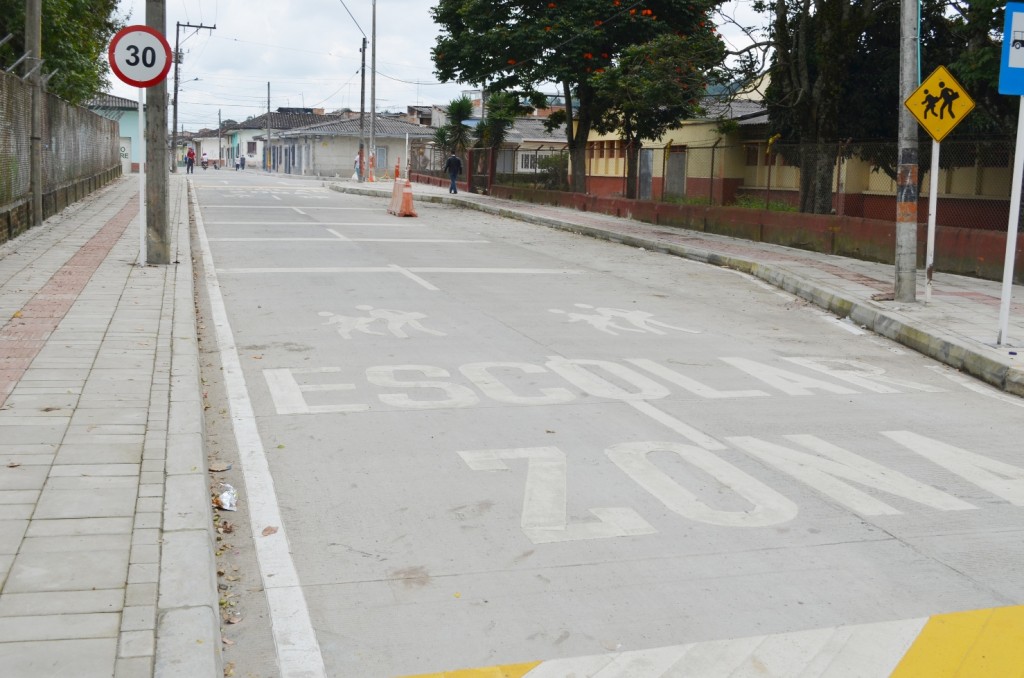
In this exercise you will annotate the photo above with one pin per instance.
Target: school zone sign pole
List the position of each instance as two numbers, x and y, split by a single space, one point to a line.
140 56
1011 81
939 104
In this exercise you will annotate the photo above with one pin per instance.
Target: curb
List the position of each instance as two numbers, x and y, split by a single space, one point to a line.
934 344
188 628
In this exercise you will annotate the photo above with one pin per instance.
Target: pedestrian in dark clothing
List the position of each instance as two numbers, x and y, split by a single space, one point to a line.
190 161
453 166
242 160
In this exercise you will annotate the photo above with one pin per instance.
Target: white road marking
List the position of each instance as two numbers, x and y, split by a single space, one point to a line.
302 223
768 507
865 650
288 207
344 238
295 643
544 517
972 384
685 430
415 278
298 211
275 197
844 324
830 466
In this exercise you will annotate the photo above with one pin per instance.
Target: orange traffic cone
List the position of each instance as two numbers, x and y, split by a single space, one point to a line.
406 209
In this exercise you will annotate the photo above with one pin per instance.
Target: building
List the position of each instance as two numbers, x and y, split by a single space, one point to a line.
126 113
247 138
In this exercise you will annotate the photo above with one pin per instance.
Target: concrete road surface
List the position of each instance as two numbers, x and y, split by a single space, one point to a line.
465 441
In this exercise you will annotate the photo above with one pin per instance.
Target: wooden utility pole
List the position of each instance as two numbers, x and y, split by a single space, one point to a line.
158 246
906 178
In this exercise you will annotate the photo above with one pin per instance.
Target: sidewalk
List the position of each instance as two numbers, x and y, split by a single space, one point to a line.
106 565
958 327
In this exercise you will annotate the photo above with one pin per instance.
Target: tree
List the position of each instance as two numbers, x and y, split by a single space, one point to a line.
454 136
654 87
835 75
502 109
76 33
520 45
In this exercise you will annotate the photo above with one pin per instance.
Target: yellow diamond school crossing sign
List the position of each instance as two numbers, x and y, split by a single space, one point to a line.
940 103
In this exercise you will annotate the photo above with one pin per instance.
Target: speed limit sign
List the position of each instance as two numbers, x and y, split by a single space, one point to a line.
140 56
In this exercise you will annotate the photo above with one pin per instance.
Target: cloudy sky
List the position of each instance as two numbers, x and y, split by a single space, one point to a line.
308 51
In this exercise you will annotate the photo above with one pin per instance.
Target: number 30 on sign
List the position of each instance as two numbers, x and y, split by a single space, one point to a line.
140 56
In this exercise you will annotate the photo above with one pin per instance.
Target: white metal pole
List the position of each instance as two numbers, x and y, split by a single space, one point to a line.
933 201
142 180
1015 212
1011 230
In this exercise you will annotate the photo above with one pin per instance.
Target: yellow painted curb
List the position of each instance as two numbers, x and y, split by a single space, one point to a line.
507 671
975 644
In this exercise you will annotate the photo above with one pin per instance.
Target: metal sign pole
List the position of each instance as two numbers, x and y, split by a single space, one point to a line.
933 202
142 180
1011 229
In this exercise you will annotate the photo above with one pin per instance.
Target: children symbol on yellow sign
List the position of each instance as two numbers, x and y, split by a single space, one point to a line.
948 97
929 103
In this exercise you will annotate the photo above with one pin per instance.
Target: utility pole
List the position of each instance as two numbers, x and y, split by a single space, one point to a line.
177 67
158 241
373 91
33 68
269 156
906 182
220 124
362 108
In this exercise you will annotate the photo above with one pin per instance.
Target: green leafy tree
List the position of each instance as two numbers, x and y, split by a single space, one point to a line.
455 136
654 87
520 46
76 33
835 76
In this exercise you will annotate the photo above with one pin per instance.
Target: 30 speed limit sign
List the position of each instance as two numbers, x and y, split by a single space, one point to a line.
140 56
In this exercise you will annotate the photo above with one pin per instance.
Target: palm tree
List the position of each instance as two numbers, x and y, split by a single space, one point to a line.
454 137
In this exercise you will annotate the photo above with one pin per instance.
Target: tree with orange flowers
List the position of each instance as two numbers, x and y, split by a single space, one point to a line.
523 46
653 88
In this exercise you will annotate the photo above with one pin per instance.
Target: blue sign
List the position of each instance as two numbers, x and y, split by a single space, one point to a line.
1011 67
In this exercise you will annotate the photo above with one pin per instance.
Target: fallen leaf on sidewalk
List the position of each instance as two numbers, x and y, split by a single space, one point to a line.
13 464
267 531
17 314
227 641
220 467
232 619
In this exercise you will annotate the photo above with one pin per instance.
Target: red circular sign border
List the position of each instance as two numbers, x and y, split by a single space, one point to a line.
126 31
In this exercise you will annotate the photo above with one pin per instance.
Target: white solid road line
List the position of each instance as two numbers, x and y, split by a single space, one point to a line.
298 651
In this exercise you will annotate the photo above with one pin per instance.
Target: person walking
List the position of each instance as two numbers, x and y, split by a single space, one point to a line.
237 160
190 161
242 161
453 166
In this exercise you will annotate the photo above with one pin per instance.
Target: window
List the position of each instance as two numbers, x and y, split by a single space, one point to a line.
251 148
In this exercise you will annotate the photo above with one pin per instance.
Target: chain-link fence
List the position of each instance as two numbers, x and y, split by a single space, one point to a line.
77 145
849 178
546 168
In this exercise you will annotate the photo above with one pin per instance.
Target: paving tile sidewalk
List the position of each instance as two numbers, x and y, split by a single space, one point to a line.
106 564
958 327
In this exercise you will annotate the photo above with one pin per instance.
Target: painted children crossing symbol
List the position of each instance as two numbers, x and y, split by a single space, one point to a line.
940 103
